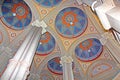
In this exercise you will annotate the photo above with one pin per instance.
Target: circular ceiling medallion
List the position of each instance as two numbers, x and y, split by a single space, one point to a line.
89 49
71 22
55 67
46 44
1 37
16 14
48 3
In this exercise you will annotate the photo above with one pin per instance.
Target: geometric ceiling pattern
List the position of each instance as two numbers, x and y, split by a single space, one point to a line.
16 14
101 69
71 22
89 49
46 44
55 66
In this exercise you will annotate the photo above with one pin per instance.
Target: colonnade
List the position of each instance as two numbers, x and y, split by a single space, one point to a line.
19 65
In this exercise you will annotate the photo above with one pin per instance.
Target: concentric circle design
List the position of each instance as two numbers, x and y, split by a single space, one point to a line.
1 37
48 3
55 66
71 22
89 49
16 14
46 44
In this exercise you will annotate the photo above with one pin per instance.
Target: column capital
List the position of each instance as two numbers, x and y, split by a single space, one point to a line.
42 24
66 59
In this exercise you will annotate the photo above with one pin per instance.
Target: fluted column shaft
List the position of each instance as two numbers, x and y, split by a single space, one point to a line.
27 60
18 67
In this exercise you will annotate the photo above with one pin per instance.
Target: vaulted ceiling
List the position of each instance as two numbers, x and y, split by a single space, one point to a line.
72 30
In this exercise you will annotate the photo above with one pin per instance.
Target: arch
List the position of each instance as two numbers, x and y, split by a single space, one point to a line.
33 9
101 69
81 39
58 41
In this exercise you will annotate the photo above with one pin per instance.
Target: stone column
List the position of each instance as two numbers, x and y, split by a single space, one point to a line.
66 62
7 52
26 59
18 68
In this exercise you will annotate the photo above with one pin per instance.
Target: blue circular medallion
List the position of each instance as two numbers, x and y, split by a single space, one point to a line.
46 44
48 3
16 14
71 22
89 49
55 66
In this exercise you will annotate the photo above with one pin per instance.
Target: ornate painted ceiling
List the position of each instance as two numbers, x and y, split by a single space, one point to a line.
72 30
